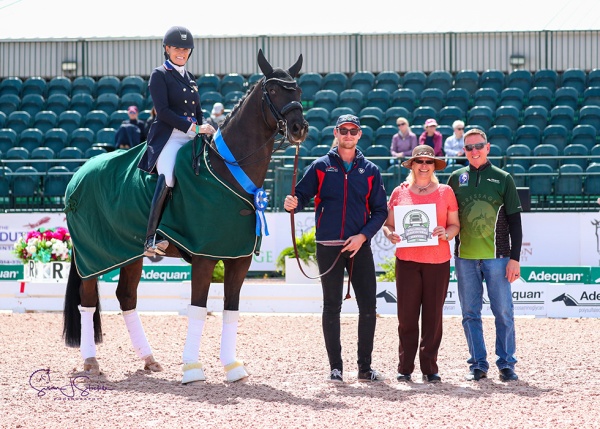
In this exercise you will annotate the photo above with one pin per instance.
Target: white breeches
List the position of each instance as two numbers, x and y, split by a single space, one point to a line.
166 160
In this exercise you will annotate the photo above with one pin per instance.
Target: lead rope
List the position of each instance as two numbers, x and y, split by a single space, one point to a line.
293 227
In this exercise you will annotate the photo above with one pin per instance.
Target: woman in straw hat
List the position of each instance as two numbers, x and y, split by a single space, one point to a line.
422 273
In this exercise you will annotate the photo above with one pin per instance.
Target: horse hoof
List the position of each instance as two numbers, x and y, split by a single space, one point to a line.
152 365
235 371
193 372
91 366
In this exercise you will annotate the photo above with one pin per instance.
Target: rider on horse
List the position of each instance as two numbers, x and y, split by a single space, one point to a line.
178 120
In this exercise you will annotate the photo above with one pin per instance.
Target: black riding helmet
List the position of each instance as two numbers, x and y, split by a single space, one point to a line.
180 37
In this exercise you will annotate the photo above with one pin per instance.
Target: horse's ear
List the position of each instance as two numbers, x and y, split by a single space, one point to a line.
293 70
264 65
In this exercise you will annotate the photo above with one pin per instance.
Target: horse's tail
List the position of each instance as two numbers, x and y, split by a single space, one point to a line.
71 314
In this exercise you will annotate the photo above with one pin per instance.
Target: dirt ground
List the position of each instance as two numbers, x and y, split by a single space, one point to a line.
285 354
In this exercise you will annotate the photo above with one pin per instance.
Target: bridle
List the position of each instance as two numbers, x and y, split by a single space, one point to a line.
280 127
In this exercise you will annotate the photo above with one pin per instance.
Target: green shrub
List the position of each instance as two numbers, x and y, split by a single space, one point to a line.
307 250
219 273
389 270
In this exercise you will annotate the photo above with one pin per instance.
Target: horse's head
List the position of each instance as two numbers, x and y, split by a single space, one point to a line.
283 95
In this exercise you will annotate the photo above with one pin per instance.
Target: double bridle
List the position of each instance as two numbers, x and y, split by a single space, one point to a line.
280 127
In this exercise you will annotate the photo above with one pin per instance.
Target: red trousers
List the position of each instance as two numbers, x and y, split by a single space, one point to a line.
421 290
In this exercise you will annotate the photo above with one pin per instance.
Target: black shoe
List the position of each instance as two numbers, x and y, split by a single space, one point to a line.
370 375
403 377
432 378
335 376
508 374
476 375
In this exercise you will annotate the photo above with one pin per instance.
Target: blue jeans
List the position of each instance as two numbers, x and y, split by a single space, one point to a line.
470 274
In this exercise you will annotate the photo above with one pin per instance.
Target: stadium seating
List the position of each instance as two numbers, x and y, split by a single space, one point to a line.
546 150
404 97
439 79
591 184
45 120
15 154
59 85
335 81
81 103
574 78
208 82
364 81
31 138
131 99
72 154
432 97
388 80
383 136
41 153
458 97
379 154
327 135
415 80
56 139
18 121
132 84
350 98
9 103
367 137
468 80
556 135
69 120
501 136
495 155
569 180
512 96
487 97
32 104
519 150
11 85
566 96
106 136
585 135
232 82
231 99
310 83
393 113
8 139
82 138
378 98
55 185
521 79
34 85
492 79
107 85
563 115
536 116
25 187
541 181
5 186
83 84
591 96
317 117
339 111
116 118
480 115
508 116
593 78
546 78
518 173
528 135
95 120
540 97
57 103
590 115
422 113
573 153
449 114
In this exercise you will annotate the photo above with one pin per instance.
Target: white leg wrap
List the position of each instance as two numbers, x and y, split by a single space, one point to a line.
229 336
196 319
137 334
87 347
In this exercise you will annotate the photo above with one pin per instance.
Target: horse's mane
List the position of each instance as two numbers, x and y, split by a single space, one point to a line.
238 105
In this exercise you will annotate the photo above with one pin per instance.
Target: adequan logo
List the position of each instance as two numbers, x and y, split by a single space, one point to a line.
569 301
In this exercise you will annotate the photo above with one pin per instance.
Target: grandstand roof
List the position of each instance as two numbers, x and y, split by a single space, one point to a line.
40 19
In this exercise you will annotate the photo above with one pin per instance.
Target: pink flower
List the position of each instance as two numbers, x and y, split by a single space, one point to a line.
47 235
33 234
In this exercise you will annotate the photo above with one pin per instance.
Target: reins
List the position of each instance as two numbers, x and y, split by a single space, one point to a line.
293 228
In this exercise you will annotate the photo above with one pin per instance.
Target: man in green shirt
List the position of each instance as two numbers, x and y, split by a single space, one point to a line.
488 247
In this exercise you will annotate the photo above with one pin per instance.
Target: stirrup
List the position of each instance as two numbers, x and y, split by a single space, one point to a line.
154 248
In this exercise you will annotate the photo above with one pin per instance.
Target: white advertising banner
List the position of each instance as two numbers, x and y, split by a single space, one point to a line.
549 239
573 300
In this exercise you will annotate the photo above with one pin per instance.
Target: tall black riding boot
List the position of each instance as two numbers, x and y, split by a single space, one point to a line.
153 247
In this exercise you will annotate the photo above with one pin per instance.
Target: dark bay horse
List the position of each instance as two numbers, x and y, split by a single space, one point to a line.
97 220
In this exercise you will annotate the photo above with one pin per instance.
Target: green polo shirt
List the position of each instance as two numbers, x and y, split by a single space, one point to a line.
486 196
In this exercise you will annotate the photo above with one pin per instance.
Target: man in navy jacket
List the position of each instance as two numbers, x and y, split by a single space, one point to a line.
350 207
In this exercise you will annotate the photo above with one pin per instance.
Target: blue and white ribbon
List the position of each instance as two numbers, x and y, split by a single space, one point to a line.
261 199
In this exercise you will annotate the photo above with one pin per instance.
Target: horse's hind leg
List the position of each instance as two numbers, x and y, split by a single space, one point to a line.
90 323
202 269
235 273
129 278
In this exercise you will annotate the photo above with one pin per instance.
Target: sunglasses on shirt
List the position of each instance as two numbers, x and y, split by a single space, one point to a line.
470 147
352 131
424 161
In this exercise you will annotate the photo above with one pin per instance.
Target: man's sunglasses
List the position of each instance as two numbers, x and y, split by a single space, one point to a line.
470 147
352 131
424 161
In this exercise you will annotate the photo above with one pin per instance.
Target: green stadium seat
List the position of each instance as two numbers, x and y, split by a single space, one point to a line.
501 136
133 84
574 78
93 151
351 98
544 150
590 115
59 85
69 121
415 80
494 79
2 119
55 185
528 135
393 113
541 179
378 98
310 83
312 138
320 150
432 97
45 120
449 114
404 97
458 97
439 79
446 131
232 82
563 115
546 78
372 121
83 85
11 85
25 187
82 138
364 81
106 135
339 111
482 116
495 155
95 120
317 117
15 154
584 135
31 138
116 118
326 99
593 78
507 115
512 96
107 85
467 80
374 111
208 82
572 152
131 99
209 98
231 99
388 80
591 96
81 103
518 173
254 78
34 85
383 136
32 104
367 137
327 136
518 150
18 121
536 115
42 153
591 184
521 79
57 103
56 139
9 103
487 97
5 186
569 181
74 156
566 97
540 97
557 135
336 81
422 113
379 155
8 139
108 103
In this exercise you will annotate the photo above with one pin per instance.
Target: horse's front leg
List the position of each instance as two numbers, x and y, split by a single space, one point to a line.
90 325
202 270
235 273
129 280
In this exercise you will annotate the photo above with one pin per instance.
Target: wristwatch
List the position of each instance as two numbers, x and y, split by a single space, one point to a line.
447 239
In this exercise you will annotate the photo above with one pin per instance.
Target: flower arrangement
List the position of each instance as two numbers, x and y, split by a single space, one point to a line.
44 245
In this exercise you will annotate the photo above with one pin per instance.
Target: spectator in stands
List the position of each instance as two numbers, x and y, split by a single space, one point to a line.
422 273
217 115
454 145
175 95
126 137
488 247
431 137
350 207
150 119
404 141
